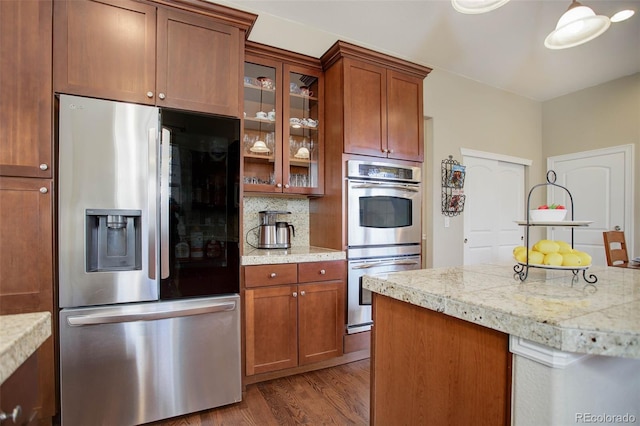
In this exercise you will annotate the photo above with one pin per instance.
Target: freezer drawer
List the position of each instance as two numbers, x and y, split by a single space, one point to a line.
138 363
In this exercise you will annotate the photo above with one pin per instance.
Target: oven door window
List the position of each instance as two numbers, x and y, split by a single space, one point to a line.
385 212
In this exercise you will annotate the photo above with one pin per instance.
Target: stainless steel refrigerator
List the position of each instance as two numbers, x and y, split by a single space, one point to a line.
149 321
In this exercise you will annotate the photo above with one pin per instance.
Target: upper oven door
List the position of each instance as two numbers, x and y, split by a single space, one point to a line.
382 213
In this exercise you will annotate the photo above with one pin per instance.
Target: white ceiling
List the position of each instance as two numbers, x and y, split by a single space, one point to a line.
503 48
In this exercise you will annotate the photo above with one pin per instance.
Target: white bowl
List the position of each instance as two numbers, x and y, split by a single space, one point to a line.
547 215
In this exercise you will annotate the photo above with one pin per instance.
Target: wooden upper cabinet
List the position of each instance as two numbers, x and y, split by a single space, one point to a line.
405 137
25 85
378 101
105 49
199 63
365 108
139 52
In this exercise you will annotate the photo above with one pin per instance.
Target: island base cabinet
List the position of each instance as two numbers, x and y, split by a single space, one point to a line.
432 369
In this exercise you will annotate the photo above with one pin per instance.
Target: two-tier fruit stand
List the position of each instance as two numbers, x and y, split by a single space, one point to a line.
522 269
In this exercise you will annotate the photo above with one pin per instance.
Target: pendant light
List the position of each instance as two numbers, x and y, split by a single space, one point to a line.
578 25
473 7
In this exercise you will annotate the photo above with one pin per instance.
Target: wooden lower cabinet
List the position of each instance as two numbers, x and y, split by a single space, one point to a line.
432 369
19 394
26 268
272 327
294 324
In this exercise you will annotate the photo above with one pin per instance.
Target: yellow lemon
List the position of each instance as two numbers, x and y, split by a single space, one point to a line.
535 257
585 258
564 247
518 249
553 259
546 246
571 259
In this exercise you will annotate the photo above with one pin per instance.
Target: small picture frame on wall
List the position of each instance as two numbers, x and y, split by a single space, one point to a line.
456 176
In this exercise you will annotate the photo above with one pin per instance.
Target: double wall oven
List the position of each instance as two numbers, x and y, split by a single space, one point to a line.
383 226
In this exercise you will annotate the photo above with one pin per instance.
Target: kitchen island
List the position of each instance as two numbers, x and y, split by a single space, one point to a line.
474 345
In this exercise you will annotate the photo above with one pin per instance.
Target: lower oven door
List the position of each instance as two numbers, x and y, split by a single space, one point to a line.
381 213
359 299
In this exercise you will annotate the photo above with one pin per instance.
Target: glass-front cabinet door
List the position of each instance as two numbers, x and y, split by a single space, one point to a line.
262 130
302 161
282 138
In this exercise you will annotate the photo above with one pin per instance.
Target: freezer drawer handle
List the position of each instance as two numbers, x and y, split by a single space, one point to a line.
394 262
94 319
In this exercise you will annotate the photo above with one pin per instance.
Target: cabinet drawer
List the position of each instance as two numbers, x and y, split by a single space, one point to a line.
265 275
321 271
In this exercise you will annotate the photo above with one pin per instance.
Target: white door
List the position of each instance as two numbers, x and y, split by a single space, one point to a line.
600 183
495 198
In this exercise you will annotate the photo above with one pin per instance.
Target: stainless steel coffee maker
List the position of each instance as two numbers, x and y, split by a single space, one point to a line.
274 234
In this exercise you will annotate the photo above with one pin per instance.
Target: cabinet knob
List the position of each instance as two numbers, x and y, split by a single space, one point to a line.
272 275
302 293
14 414
295 294
43 190
161 95
278 185
322 272
149 94
390 151
43 166
385 151
286 185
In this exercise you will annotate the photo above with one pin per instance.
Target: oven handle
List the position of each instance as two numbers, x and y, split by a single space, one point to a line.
386 186
392 262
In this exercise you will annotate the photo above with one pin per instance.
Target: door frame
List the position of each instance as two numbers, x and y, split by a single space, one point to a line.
629 154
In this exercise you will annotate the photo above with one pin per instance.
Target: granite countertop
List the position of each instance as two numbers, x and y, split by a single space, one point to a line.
547 308
20 337
254 256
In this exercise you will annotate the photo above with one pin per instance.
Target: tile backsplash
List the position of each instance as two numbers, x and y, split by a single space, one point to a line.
299 217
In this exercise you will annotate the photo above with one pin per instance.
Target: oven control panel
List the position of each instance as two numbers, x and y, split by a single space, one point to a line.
382 171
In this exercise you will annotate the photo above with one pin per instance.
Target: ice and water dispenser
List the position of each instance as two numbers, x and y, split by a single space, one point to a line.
113 240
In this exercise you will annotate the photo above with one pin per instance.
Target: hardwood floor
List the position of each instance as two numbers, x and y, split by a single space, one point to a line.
332 396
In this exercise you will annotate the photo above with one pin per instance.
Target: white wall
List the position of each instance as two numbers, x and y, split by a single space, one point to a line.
466 114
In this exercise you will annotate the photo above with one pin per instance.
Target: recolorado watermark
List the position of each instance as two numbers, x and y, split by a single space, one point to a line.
605 418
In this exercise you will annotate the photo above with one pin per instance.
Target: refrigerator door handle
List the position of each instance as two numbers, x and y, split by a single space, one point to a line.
165 154
111 318
153 144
